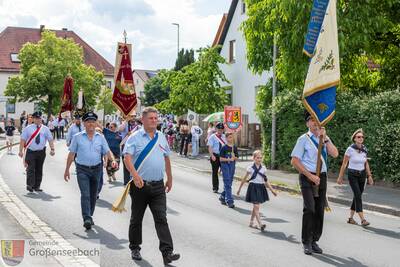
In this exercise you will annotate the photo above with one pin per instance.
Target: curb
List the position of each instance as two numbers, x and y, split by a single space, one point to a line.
367 206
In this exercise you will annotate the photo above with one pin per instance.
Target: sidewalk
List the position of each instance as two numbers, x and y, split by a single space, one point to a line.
375 198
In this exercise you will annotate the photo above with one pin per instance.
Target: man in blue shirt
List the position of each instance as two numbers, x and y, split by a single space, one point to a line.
89 148
113 138
33 140
148 185
313 188
75 128
215 142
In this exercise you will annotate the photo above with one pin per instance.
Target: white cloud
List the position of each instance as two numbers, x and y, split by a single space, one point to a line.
101 24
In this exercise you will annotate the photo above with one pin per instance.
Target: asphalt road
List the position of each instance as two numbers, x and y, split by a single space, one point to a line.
204 232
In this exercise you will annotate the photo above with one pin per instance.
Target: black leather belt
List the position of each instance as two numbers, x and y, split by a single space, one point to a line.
154 182
89 167
356 171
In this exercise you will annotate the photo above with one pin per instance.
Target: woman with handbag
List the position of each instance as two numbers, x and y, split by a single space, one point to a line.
358 171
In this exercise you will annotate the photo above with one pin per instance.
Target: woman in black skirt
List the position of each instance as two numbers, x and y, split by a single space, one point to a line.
357 172
256 191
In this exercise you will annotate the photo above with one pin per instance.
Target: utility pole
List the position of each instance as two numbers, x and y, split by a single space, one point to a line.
177 25
273 134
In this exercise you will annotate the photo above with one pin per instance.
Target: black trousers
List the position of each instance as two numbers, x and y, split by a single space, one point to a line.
152 195
313 209
215 165
127 175
184 144
61 132
34 171
357 183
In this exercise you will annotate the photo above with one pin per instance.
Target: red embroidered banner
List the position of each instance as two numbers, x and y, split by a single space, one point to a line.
66 99
124 96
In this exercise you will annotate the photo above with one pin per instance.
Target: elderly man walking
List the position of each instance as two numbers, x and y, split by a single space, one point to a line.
33 141
89 147
146 156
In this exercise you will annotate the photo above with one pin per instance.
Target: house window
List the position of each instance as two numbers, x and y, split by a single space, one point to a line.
243 7
137 81
232 51
109 84
14 58
228 92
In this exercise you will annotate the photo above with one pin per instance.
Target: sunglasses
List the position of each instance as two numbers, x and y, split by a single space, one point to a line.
360 136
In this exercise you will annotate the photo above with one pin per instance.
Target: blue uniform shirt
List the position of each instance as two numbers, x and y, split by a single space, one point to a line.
72 130
45 135
307 152
89 152
153 167
215 143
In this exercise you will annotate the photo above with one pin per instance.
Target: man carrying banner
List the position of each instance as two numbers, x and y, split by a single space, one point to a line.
319 98
89 147
32 149
146 155
215 143
304 159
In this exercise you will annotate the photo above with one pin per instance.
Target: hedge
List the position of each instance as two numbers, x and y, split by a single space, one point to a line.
378 115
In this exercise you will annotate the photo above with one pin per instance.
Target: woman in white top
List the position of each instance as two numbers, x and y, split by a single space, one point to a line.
358 170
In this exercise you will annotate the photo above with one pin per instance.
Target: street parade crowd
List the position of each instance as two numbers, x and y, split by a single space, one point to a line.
144 145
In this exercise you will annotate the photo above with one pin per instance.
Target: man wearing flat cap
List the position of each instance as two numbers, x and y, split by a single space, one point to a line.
33 143
215 143
75 128
89 147
313 187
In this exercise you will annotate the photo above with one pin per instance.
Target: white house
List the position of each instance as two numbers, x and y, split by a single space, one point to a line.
244 83
11 41
140 77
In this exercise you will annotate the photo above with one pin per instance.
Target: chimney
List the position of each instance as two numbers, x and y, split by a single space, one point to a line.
41 28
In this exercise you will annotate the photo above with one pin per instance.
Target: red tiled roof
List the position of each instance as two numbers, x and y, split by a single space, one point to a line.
220 28
13 38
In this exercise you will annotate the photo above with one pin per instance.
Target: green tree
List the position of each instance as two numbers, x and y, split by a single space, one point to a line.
197 86
366 31
185 57
44 67
154 91
105 102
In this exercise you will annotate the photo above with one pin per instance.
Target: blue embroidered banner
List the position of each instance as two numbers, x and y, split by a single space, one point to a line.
314 26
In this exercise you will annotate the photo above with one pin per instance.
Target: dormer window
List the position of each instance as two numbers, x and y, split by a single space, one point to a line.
14 58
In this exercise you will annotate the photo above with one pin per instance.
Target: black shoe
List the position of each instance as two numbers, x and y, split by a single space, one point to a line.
38 189
215 190
29 188
222 202
232 206
316 248
307 249
91 222
170 257
135 254
87 224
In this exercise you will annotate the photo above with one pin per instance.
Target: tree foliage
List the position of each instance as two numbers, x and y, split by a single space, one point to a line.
196 86
154 91
43 69
105 101
367 31
185 57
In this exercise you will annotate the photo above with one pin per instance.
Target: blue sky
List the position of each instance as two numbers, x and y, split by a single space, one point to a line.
102 22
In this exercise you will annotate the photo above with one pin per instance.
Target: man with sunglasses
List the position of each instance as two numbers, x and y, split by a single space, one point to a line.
304 159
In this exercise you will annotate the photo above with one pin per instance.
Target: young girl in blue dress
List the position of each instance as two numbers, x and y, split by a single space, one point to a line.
256 191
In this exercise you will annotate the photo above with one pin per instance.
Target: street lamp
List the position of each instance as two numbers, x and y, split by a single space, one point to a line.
177 25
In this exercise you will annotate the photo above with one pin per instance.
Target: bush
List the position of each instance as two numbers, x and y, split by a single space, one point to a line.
378 115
